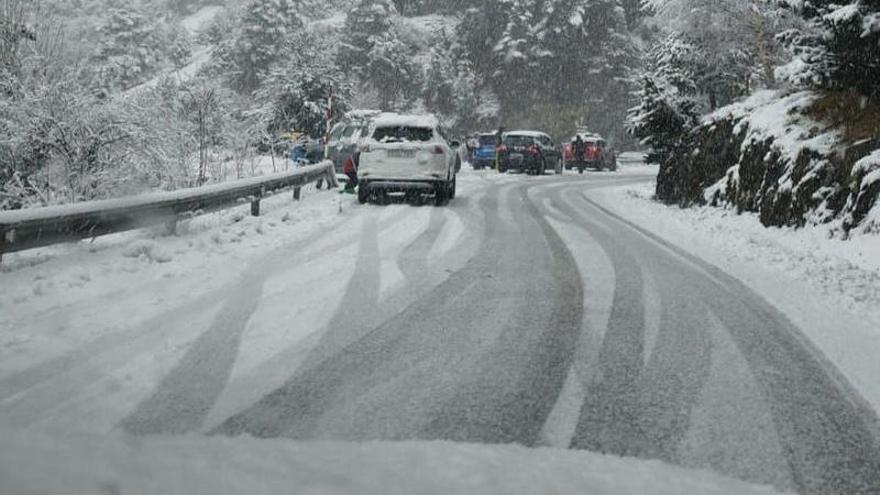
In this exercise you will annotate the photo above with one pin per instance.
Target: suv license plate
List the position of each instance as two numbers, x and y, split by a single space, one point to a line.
401 153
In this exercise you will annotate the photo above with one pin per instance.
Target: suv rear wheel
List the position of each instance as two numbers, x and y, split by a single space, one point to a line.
441 193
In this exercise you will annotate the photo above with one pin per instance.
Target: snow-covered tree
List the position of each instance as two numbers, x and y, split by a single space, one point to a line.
840 47
451 87
737 41
260 41
583 45
378 57
297 94
668 105
135 46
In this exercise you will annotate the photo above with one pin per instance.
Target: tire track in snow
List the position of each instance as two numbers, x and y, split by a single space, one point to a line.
186 395
828 434
471 344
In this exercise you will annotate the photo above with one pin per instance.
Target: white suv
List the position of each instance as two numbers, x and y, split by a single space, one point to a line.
408 154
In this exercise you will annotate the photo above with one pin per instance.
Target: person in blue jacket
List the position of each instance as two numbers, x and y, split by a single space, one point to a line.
297 154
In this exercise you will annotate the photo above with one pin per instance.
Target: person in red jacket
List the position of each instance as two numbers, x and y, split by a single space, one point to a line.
350 168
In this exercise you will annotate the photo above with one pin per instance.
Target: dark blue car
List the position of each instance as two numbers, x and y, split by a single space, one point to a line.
483 154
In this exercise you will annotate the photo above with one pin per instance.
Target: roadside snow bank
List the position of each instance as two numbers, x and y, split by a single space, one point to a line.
828 287
56 299
35 463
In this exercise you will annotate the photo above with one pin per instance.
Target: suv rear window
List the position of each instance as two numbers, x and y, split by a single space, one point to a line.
487 140
350 130
337 131
519 140
403 133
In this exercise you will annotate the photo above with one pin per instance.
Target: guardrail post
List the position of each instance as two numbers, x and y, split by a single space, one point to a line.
331 177
171 225
297 193
255 203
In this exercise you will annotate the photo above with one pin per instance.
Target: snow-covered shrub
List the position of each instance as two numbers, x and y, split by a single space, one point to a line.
862 209
148 251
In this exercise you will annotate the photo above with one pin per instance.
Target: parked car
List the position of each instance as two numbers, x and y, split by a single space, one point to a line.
596 154
345 135
407 154
483 154
531 152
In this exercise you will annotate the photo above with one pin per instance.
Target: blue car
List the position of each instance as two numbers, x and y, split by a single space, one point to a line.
483 154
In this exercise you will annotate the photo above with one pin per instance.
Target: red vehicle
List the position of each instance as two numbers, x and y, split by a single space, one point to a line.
590 151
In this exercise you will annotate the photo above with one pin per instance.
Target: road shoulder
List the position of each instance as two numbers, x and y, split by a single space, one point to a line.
830 289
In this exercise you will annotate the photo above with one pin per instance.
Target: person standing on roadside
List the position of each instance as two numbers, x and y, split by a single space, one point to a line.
578 149
499 140
350 168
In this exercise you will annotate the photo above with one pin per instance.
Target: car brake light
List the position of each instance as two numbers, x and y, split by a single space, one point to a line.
533 150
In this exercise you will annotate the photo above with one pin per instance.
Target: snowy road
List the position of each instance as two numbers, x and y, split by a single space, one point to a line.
524 312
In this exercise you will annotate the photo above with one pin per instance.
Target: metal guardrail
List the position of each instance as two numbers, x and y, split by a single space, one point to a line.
38 227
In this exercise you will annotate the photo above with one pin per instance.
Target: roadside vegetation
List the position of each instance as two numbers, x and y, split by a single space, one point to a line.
794 138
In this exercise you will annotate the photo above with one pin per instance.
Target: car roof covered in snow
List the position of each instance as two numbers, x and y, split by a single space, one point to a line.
362 114
527 133
404 120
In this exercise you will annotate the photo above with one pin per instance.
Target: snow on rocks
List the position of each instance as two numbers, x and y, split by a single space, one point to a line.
771 155
868 169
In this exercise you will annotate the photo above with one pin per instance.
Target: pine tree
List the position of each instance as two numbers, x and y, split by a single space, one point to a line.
122 58
583 44
298 92
450 86
378 57
840 50
134 47
668 108
735 42
264 30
